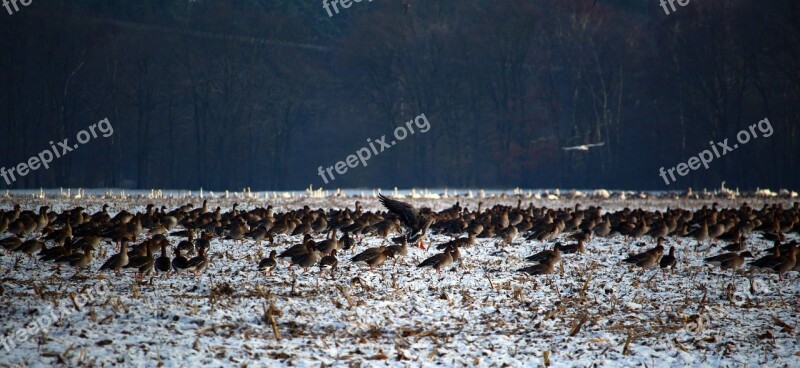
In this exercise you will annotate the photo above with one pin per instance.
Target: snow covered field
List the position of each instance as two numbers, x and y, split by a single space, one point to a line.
593 312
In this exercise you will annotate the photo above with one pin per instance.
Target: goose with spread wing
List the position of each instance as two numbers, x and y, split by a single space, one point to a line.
414 219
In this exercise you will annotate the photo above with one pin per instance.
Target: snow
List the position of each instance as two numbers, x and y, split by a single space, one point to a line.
479 313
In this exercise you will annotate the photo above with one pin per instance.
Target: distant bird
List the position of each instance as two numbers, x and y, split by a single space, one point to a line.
583 147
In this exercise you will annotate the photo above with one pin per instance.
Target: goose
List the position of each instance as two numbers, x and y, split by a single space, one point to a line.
668 261
553 256
398 252
438 261
162 264
415 220
545 268
268 264
117 261
328 263
373 257
143 264
727 261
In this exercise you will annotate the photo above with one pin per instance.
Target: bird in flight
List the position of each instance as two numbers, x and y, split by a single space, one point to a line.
583 147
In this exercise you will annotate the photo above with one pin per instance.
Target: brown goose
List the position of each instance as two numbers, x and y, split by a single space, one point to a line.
604 228
307 260
737 247
117 261
198 263
647 258
298 248
328 245
574 247
729 260
553 256
328 263
162 264
470 240
347 242
508 234
398 252
668 261
438 261
373 257
77 259
700 234
11 243
415 220
545 268
143 264
31 246
777 262
268 264
179 263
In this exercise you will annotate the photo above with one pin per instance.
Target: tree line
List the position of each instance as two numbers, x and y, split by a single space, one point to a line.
259 93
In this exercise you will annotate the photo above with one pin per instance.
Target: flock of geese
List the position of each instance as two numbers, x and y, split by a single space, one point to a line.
72 237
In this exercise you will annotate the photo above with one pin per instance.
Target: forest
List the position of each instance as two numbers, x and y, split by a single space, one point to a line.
260 93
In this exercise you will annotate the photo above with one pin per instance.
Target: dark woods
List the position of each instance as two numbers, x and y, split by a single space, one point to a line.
229 94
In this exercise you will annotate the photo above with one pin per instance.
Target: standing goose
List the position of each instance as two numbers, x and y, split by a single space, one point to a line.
328 245
398 252
604 228
373 257
180 263
11 243
438 261
197 264
700 234
31 246
728 260
298 248
347 242
470 240
416 221
508 234
143 264
777 262
328 263
553 256
83 260
268 264
545 268
162 264
574 247
668 261
307 260
117 261
646 259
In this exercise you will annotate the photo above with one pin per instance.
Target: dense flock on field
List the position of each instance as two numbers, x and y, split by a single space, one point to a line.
517 279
